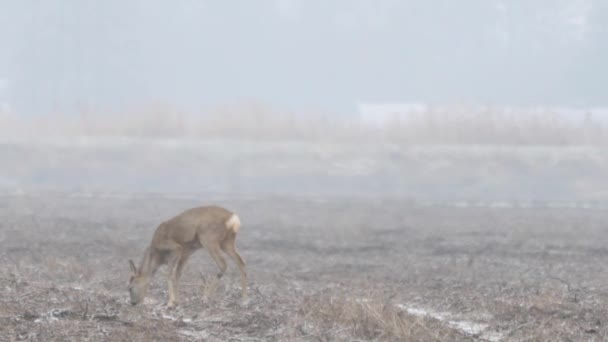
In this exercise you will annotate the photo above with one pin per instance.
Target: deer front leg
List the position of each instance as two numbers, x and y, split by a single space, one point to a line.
172 279
182 262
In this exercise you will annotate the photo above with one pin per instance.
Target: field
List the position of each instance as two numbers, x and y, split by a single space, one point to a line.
568 176
402 171
320 270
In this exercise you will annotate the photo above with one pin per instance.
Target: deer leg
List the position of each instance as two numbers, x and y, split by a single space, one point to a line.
182 262
221 263
229 247
219 260
214 251
174 259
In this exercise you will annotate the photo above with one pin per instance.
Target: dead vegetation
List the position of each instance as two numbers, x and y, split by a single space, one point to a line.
435 125
331 316
321 271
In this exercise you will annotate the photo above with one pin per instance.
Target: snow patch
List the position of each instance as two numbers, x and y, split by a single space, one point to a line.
467 327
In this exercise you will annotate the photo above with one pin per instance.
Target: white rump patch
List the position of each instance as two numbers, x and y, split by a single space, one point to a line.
234 223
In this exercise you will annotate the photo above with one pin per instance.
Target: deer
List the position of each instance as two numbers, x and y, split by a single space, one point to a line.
210 227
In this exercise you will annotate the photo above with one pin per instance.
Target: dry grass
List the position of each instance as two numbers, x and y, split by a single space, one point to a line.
330 316
42 311
552 314
320 271
442 125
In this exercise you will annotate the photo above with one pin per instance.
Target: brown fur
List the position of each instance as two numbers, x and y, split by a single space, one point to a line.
174 241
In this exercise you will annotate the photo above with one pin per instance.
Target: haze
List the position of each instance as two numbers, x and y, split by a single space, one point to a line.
301 55
402 170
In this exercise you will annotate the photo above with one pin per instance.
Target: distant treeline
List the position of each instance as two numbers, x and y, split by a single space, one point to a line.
262 123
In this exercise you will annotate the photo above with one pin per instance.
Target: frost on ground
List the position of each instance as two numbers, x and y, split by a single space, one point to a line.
332 270
468 327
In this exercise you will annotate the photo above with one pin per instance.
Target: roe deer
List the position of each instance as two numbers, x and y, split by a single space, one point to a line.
210 227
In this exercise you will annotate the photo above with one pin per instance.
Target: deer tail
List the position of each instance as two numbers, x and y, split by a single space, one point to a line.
233 224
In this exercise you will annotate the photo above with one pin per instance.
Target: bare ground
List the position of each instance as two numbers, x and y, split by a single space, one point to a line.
320 270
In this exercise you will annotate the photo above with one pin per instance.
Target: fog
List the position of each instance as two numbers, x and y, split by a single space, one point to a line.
391 170
433 101
57 56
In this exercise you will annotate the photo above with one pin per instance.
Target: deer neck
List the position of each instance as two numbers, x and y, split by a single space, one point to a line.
149 263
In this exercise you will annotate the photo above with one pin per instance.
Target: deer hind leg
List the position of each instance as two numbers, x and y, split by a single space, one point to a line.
214 251
229 247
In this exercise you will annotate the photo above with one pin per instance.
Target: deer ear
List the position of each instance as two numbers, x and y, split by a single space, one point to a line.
133 268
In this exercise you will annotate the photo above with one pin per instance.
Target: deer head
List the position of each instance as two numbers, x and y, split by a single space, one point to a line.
138 285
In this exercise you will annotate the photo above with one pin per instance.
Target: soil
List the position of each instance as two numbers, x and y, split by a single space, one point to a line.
442 273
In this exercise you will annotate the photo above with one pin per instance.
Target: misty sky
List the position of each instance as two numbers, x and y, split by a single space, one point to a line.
298 54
